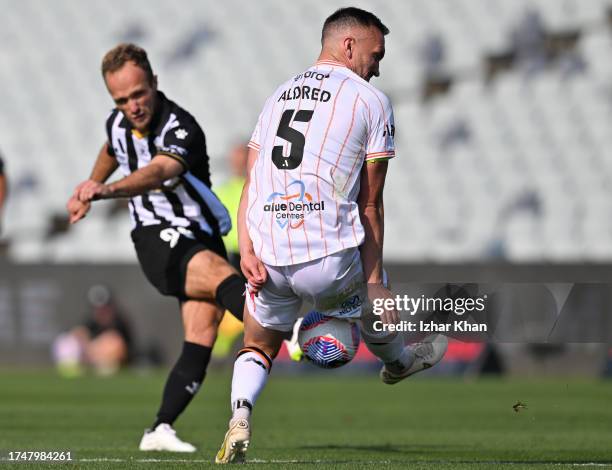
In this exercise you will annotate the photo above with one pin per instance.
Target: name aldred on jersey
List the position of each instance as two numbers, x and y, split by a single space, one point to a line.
305 92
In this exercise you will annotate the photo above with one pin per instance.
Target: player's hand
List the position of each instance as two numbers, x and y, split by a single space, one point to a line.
91 190
254 271
378 291
77 209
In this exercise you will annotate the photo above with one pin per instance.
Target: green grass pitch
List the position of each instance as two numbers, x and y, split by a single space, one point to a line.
317 421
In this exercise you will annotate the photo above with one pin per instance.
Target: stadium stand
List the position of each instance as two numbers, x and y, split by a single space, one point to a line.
502 110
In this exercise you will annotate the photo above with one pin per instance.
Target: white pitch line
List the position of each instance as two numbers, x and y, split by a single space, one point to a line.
321 461
367 462
254 461
103 459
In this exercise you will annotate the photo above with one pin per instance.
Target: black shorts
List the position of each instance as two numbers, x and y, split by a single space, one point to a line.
164 252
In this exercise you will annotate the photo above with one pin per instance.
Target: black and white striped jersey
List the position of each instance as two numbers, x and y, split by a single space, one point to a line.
185 201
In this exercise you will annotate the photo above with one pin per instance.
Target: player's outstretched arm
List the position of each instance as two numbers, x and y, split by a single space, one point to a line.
372 215
252 267
104 166
161 168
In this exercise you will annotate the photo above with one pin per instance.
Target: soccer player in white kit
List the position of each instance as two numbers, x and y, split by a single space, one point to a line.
310 221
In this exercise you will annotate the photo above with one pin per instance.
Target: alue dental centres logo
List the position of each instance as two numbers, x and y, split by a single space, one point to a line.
291 208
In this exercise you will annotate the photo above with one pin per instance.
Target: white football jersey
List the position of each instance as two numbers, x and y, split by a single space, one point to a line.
313 137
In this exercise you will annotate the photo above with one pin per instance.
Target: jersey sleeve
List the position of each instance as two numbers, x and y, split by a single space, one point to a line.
255 141
185 143
381 144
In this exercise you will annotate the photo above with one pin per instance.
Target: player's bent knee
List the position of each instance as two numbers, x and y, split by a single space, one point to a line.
210 264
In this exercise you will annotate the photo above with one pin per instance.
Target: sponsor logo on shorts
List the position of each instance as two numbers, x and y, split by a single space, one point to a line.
347 301
292 207
350 305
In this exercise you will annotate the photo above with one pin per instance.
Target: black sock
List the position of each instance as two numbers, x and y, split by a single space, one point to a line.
183 382
230 295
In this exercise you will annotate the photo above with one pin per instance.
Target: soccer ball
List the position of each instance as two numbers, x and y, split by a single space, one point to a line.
328 342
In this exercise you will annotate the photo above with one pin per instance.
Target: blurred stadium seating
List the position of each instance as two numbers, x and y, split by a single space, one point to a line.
502 108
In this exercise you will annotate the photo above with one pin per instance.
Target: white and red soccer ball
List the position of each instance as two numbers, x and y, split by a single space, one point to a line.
328 342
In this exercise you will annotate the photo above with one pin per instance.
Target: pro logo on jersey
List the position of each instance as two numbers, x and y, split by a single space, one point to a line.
291 208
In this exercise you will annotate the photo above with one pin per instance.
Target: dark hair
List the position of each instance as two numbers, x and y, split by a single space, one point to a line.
352 16
117 57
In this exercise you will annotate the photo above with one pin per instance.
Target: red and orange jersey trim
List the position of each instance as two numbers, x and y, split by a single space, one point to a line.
379 156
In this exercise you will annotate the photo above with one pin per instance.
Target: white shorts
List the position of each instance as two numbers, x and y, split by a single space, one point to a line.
334 285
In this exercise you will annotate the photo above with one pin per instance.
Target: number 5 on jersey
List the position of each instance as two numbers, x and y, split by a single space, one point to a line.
295 138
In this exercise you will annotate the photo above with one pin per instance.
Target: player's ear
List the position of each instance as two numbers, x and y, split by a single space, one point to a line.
348 44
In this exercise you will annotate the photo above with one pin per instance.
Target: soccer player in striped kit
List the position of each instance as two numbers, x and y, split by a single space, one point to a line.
178 221
310 222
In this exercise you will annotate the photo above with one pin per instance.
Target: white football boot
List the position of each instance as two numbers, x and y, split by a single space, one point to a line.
427 354
163 437
235 443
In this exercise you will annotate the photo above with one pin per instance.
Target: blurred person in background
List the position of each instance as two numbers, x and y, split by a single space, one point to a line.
229 193
178 220
103 341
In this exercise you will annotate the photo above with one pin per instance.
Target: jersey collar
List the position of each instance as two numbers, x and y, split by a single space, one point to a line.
333 63
162 114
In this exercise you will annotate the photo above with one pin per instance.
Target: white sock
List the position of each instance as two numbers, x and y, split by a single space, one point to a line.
395 358
251 372
242 409
406 359
392 352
